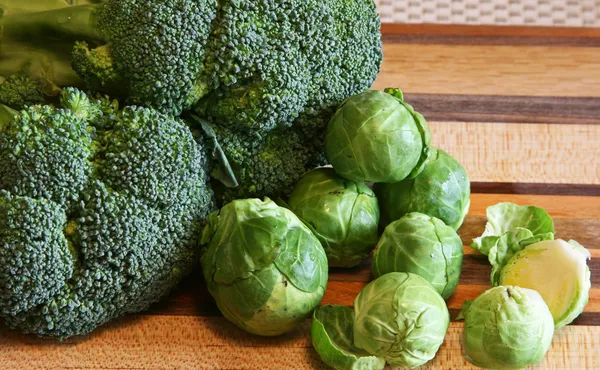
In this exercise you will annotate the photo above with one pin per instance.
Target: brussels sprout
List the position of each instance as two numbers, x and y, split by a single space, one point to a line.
422 245
333 339
558 271
441 190
376 137
401 318
264 267
507 328
343 214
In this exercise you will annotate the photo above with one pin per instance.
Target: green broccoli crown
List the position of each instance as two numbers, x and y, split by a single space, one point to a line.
267 61
97 219
156 49
19 90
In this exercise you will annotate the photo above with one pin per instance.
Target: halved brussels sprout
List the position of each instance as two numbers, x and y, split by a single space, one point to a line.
507 327
333 338
343 214
264 267
558 271
401 318
422 245
441 190
519 242
376 137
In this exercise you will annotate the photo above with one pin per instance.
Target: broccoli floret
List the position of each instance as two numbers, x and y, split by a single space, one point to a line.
269 164
97 219
154 51
19 90
268 61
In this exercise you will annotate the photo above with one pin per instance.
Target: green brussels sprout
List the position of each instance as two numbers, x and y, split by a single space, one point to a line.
376 137
422 245
332 334
441 190
343 214
401 318
264 267
558 271
507 327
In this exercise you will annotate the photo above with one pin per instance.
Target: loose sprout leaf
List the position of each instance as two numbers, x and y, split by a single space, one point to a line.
504 217
332 334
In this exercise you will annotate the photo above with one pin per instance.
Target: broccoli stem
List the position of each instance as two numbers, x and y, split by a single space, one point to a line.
73 22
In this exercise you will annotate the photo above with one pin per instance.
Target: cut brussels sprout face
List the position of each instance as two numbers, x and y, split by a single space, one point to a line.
264 267
343 214
519 242
507 328
333 339
441 190
376 137
558 271
401 318
422 245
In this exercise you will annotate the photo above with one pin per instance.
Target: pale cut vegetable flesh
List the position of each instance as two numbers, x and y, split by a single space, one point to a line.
558 271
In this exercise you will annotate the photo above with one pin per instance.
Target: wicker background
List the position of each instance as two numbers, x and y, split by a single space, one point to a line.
571 13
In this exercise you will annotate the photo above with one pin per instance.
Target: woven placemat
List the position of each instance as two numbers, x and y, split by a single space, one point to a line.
569 13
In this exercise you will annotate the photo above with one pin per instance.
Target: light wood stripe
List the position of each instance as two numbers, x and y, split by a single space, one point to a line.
571 207
491 70
523 152
180 342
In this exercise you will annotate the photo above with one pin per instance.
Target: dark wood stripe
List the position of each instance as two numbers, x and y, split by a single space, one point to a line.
506 108
534 188
489 35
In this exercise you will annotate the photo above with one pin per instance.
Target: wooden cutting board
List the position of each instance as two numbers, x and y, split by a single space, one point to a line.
519 107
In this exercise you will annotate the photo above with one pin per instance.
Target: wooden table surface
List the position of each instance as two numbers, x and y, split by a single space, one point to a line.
518 107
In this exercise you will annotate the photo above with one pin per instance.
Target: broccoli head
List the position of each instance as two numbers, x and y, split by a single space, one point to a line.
260 70
99 212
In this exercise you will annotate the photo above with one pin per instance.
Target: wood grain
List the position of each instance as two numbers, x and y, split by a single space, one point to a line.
534 188
518 106
489 35
491 70
512 152
502 108
180 342
458 30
